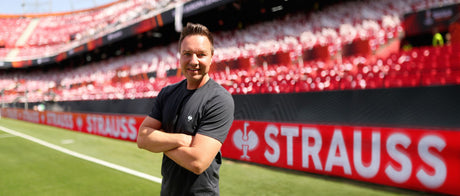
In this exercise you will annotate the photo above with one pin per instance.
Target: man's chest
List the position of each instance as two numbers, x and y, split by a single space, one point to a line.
183 115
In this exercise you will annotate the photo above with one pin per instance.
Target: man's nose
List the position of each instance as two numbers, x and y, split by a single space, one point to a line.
194 59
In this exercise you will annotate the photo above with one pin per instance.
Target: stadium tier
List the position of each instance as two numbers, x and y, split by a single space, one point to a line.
36 36
61 32
327 50
131 77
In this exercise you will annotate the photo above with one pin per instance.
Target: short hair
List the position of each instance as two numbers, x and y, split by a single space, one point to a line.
196 29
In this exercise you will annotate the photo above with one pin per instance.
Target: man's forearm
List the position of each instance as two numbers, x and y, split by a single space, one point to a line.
184 157
198 156
160 141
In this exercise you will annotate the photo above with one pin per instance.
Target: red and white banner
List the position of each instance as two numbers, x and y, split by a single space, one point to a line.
122 127
419 159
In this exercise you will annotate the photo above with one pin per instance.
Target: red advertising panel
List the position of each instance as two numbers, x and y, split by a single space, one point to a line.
409 158
123 127
418 159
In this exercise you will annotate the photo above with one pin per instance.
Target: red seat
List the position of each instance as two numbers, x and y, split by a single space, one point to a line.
301 86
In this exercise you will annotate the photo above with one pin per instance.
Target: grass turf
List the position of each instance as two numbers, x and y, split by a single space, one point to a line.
28 168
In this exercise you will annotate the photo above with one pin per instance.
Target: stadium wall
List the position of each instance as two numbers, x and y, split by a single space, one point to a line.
421 107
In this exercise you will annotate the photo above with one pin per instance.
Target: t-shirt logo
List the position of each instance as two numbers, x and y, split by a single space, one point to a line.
189 118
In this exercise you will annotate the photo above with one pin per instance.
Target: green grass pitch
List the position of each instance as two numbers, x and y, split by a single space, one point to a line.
28 168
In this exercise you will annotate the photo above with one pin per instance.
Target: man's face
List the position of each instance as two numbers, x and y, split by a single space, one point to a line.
195 59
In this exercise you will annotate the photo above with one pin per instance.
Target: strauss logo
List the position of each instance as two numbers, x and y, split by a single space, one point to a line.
79 123
245 141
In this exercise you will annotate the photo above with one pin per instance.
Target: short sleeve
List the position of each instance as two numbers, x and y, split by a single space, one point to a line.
218 117
156 109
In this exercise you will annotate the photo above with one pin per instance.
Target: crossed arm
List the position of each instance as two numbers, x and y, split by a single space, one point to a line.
194 153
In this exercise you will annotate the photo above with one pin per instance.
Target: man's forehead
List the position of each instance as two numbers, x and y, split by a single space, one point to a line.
196 43
197 38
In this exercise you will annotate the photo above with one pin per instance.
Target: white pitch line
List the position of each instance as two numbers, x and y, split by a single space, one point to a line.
82 156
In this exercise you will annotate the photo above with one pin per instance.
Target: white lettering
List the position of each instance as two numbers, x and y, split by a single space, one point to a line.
112 126
193 6
440 170
109 125
123 129
32 116
312 151
60 120
371 170
114 35
89 126
289 132
400 157
342 158
100 126
444 13
272 157
116 129
132 128
95 124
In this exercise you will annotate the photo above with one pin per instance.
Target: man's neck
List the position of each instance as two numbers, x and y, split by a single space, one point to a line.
197 84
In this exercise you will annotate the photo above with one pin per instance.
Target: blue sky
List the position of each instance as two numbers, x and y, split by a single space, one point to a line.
47 6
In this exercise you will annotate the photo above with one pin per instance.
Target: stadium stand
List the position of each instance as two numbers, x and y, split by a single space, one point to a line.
273 55
46 34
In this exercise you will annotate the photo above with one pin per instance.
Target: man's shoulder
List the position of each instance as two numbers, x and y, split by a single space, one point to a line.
172 87
217 88
216 93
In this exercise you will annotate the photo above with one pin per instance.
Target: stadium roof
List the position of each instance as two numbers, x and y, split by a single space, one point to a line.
19 7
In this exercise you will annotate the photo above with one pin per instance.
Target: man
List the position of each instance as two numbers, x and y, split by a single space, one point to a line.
190 121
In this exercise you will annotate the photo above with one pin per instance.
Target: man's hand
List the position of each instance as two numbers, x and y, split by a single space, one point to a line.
186 141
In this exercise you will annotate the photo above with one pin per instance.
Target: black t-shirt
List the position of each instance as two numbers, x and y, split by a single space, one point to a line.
207 110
